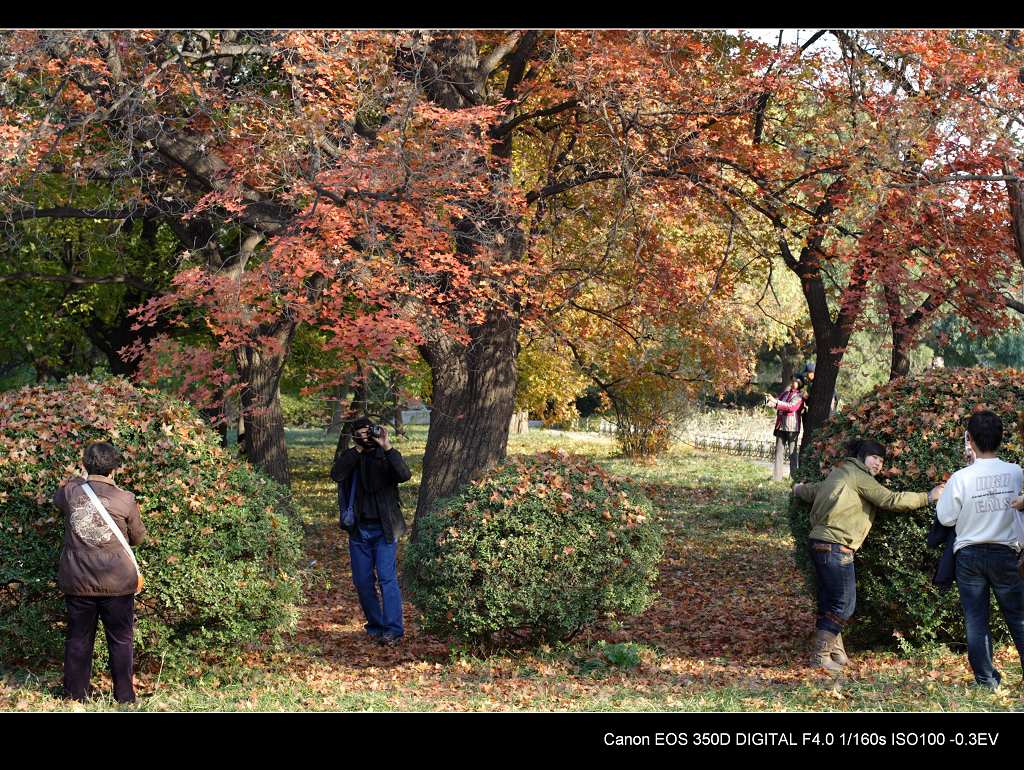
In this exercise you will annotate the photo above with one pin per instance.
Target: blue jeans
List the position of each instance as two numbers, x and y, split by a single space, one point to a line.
977 568
371 553
836 583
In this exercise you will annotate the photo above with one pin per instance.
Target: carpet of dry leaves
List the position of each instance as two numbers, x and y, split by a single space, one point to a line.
729 631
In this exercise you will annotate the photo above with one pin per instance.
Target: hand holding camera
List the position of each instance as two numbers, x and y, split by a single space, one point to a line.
370 437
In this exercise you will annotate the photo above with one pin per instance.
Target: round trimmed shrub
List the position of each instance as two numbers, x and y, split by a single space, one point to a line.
536 551
921 421
221 559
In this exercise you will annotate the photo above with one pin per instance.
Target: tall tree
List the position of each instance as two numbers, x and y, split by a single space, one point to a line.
843 136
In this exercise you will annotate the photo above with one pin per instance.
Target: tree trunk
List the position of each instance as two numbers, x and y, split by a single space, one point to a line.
904 328
788 367
830 337
231 417
337 419
471 410
260 370
830 341
823 388
1015 199
900 365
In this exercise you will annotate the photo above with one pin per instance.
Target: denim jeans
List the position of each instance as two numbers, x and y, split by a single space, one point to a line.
375 561
836 584
979 567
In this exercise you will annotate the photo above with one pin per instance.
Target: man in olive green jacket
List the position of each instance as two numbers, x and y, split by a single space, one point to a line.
843 508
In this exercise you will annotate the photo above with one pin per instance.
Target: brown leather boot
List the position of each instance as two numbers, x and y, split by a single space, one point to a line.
839 652
821 656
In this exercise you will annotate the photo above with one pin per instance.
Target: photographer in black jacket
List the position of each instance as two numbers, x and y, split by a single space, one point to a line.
369 474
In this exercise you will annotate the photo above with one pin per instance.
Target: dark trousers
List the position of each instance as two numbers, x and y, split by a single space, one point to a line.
979 568
118 616
786 451
836 584
375 561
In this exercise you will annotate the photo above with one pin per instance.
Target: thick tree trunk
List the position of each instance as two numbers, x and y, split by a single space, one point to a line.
830 337
263 441
471 410
830 341
823 388
900 365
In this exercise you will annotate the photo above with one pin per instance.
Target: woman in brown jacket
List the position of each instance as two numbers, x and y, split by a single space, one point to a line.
96 574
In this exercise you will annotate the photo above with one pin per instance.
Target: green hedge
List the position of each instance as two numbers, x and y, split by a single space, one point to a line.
536 551
305 412
921 420
222 560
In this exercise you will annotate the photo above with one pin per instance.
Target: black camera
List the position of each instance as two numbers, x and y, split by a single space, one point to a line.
372 432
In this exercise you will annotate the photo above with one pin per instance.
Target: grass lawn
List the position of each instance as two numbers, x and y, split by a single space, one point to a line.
728 633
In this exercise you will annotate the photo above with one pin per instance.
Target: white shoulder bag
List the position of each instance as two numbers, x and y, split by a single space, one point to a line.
116 530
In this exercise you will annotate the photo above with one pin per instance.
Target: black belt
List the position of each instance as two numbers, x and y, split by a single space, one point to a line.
991 546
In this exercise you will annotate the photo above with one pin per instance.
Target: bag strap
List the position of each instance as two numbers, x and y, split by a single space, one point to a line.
110 523
352 494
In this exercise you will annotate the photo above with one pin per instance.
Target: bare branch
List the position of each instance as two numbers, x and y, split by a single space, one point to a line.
229 51
70 212
721 267
492 60
500 131
928 180
887 68
1014 304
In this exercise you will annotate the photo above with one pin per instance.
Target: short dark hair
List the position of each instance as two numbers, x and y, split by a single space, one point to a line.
101 458
862 448
986 429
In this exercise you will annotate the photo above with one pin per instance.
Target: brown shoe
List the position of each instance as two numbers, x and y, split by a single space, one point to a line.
838 653
821 656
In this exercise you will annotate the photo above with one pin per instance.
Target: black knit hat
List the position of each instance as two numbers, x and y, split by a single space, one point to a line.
362 422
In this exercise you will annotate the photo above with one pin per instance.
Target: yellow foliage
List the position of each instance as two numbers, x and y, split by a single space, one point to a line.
549 383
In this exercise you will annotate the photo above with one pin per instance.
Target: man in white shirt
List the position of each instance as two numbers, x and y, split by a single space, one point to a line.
977 502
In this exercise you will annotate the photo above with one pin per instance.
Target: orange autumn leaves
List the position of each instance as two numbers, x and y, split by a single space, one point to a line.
922 419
